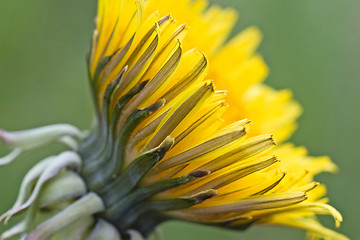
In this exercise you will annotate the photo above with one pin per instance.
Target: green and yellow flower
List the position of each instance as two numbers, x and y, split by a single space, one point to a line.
168 142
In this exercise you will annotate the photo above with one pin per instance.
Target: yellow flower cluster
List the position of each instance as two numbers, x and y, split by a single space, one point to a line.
180 49
185 129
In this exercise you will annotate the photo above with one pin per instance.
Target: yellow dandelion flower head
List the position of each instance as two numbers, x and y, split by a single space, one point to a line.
172 137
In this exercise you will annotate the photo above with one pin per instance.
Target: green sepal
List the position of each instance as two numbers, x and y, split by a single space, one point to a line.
88 144
99 138
131 123
102 64
111 87
147 191
123 184
94 159
124 100
160 206
112 167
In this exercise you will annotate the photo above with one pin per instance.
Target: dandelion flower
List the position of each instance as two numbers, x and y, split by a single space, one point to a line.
168 142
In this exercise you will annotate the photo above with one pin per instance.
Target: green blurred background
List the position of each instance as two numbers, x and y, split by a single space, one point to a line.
311 46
